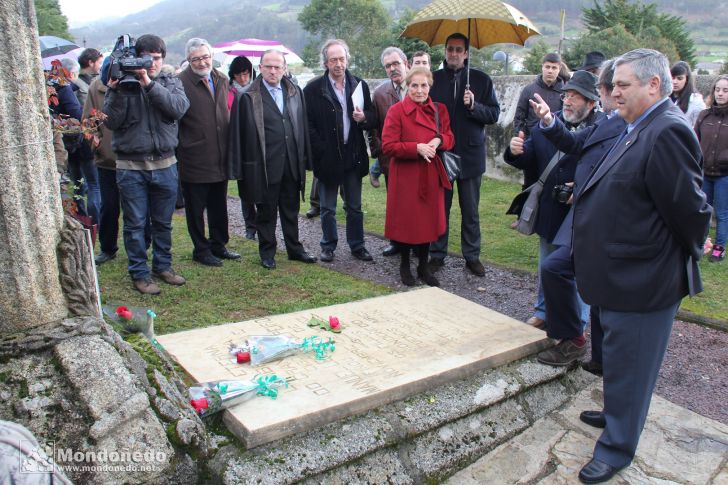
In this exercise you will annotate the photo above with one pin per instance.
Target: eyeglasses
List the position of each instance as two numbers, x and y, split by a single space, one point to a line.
271 67
200 59
565 96
456 48
392 64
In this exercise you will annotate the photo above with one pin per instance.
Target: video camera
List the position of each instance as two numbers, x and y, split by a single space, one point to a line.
124 63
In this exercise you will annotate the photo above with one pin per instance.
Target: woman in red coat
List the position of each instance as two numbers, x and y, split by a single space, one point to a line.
417 178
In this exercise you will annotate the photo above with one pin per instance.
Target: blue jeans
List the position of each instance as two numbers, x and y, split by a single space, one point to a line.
110 212
716 189
539 310
152 192
328 193
375 170
90 188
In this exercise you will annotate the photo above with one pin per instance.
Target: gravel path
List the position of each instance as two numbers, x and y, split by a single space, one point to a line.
694 374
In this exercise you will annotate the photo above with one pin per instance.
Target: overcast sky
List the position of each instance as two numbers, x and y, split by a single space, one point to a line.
80 12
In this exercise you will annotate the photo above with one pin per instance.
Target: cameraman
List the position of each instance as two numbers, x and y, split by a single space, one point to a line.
143 119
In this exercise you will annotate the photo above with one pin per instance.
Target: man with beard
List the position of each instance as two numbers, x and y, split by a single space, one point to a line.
471 107
143 119
386 95
201 153
269 153
340 156
580 98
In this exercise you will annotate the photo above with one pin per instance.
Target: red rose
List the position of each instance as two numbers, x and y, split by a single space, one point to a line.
243 357
126 315
121 309
334 323
199 404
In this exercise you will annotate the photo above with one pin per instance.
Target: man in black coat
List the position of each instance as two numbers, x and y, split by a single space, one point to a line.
536 153
470 107
340 156
269 153
564 310
639 226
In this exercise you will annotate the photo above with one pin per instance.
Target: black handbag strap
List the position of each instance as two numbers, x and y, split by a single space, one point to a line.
437 117
554 161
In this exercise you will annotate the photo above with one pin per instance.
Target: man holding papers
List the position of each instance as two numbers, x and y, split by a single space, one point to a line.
339 109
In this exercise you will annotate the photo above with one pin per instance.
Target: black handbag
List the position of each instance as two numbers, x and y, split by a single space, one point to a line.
450 160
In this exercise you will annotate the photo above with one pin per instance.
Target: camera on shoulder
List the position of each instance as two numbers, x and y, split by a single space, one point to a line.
125 63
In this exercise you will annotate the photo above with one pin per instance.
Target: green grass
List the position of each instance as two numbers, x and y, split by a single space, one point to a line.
240 290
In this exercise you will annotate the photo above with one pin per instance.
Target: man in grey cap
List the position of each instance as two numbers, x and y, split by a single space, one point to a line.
580 99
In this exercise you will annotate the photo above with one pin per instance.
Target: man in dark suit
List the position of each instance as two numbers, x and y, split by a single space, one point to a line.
564 313
270 152
557 271
639 226
471 107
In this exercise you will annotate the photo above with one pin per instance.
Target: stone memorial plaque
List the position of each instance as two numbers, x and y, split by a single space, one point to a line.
391 347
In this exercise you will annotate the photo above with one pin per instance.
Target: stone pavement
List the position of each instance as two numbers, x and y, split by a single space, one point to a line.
677 447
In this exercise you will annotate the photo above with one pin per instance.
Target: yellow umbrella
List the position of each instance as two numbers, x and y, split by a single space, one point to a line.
486 22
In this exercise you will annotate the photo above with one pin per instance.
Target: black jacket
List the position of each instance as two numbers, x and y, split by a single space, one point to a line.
590 145
525 118
326 125
537 153
144 122
467 126
641 218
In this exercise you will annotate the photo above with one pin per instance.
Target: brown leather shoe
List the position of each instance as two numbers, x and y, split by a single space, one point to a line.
146 286
170 277
563 354
536 322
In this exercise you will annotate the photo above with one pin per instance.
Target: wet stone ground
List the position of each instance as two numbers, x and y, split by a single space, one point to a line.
693 374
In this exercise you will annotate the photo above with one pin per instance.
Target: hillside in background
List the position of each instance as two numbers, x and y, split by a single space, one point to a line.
225 20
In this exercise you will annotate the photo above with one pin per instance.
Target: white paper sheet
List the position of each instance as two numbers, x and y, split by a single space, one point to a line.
357 97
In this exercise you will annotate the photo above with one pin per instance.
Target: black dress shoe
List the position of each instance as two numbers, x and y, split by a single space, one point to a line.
593 367
390 250
104 258
303 257
227 254
327 255
593 418
207 260
475 267
268 263
313 212
362 254
436 263
250 234
597 472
